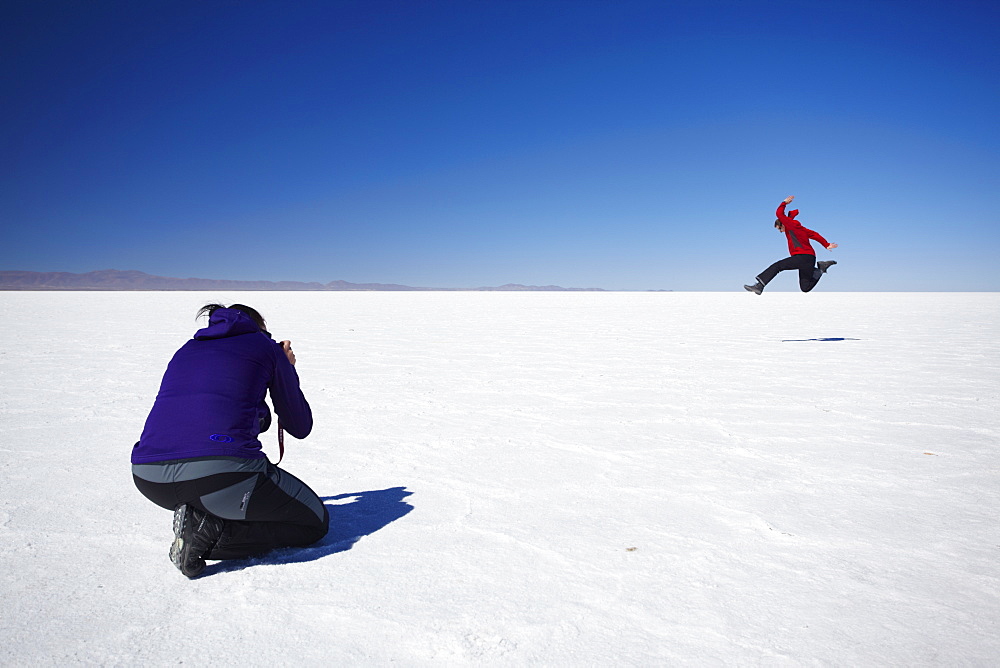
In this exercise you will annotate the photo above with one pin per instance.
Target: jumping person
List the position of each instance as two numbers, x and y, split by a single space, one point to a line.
199 455
803 257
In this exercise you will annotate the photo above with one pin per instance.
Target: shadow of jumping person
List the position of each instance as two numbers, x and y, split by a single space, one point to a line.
349 523
828 338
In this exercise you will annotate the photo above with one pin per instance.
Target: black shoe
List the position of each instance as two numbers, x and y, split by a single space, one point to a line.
825 264
195 534
756 288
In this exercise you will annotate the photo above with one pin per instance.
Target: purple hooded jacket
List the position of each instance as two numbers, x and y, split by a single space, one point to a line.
211 399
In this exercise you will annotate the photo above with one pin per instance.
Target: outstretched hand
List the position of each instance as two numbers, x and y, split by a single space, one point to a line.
286 346
788 200
831 246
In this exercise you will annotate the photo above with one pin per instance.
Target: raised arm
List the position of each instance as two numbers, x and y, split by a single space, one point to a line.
780 213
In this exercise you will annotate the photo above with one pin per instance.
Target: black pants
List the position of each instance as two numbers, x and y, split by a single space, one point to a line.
263 506
809 275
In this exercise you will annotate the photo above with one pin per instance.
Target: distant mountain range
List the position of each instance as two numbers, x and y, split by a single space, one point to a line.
112 279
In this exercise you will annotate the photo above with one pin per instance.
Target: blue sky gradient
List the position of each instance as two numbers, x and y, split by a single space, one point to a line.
624 145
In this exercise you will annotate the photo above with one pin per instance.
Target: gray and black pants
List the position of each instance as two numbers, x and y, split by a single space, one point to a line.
263 506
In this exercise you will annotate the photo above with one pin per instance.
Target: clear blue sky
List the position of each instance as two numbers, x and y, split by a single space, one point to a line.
616 144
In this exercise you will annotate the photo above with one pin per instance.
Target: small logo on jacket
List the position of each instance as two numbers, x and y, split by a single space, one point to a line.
221 438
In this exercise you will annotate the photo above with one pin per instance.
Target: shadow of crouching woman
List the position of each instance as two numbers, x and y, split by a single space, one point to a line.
349 523
369 512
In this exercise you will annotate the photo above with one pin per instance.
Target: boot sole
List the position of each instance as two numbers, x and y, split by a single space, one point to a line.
179 548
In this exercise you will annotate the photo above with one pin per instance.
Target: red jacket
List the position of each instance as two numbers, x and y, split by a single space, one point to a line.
798 236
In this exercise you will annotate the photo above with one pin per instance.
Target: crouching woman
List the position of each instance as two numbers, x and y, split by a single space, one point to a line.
199 455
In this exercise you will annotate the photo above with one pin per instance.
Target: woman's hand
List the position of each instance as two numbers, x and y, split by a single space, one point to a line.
788 200
286 346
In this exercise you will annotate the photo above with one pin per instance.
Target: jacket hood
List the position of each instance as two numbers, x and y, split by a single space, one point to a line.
793 213
225 322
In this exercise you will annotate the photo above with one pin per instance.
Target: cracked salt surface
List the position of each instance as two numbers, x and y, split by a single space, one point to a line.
525 478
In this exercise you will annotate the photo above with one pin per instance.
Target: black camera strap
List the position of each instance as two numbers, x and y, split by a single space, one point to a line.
281 443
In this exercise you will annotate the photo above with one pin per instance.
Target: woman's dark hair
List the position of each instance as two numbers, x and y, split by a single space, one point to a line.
209 309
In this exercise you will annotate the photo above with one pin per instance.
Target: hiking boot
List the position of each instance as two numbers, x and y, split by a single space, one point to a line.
195 534
825 264
756 288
